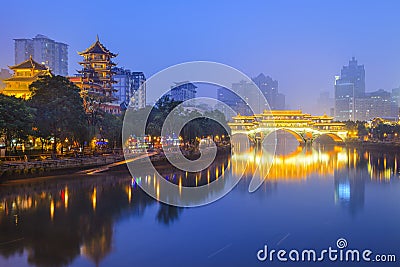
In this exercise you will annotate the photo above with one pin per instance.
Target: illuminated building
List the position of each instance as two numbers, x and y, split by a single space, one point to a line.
24 74
183 91
44 50
304 127
138 90
376 104
349 85
130 88
96 77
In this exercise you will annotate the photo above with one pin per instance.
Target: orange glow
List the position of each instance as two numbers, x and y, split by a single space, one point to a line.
94 198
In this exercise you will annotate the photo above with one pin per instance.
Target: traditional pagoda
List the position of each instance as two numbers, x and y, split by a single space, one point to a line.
24 74
97 76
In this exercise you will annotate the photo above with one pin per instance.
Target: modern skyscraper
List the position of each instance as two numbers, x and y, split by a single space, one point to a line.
349 86
353 103
129 88
183 91
137 95
269 88
354 74
44 51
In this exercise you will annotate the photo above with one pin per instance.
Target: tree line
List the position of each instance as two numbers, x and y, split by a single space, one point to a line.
54 113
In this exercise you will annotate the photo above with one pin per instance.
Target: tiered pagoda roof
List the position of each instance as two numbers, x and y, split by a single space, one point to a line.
29 64
97 48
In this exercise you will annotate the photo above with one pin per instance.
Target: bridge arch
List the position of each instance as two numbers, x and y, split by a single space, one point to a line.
333 136
296 135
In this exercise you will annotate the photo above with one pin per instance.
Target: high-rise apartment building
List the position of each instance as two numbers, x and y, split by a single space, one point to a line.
137 95
45 51
183 91
129 88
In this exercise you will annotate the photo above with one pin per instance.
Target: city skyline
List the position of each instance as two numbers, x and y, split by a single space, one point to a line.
304 55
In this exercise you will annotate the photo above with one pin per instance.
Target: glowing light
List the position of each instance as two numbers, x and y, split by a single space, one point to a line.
66 197
94 198
52 209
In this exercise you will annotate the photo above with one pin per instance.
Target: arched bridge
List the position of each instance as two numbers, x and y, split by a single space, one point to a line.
304 127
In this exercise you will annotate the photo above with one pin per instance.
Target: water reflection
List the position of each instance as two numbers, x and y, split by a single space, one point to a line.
55 221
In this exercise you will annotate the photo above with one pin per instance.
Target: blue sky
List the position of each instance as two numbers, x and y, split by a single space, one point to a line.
302 44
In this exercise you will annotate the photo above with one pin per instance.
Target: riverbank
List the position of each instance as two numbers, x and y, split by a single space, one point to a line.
377 145
30 169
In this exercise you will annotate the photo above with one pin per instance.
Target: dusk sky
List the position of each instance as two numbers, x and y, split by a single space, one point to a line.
302 44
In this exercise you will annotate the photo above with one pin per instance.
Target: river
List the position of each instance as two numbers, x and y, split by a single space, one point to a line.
310 198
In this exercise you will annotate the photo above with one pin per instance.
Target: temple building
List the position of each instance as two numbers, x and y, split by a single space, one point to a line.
96 77
24 74
304 127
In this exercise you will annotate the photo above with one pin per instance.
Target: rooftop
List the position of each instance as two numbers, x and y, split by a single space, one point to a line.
29 64
97 48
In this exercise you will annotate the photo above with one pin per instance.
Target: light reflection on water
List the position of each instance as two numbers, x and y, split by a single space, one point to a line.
84 221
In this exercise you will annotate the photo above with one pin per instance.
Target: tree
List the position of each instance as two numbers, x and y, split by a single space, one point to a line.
16 119
58 108
111 129
159 113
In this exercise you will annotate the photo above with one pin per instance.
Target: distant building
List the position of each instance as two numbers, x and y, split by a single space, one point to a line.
269 88
44 51
396 96
137 95
325 103
24 74
183 91
129 88
376 104
344 101
252 96
350 85
233 101
354 74
4 74
121 86
97 77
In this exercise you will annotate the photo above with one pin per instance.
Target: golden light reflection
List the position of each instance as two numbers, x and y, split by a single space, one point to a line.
94 198
128 190
52 209
298 165
66 197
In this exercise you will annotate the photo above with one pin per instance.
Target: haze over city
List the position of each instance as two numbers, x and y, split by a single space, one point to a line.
113 154
303 44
